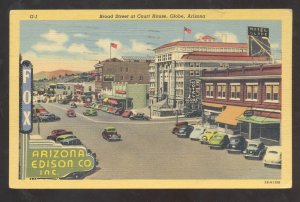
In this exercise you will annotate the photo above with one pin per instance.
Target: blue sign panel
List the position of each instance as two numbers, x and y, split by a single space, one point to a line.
26 97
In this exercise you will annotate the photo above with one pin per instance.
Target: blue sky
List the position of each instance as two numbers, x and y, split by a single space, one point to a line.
78 45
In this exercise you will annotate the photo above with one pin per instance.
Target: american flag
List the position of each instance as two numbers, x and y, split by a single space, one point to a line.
114 45
187 30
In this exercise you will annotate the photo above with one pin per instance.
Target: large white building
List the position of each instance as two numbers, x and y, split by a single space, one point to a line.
176 63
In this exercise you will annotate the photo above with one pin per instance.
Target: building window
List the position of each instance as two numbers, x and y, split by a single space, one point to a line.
90 88
68 87
197 73
191 73
126 69
221 91
131 78
122 78
209 88
121 69
141 78
235 91
272 92
252 92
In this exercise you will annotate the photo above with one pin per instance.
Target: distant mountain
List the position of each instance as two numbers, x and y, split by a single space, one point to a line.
50 74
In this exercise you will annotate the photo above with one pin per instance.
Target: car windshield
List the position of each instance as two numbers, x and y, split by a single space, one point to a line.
234 140
218 137
252 145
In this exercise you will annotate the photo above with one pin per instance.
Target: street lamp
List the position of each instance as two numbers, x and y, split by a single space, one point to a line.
176 116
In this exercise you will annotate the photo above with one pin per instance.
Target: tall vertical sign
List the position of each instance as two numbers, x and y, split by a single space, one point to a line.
259 43
26 97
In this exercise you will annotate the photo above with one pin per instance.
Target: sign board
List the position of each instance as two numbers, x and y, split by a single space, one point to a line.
109 78
248 113
26 97
120 91
194 92
258 31
46 159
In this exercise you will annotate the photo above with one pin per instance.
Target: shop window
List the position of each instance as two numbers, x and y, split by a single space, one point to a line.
209 88
252 92
272 93
235 91
221 91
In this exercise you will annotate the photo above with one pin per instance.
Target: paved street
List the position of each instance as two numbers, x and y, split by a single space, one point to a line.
150 151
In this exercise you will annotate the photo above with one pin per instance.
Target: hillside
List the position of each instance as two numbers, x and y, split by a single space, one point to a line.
51 74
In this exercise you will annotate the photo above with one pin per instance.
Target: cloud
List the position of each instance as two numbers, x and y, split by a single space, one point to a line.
55 36
48 47
137 46
80 35
275 45
198 35
225 36
78 48
177 39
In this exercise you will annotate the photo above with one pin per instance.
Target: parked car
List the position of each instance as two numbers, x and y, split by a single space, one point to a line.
185 131
114 110
139 116
255 150
90 112
126 113
104 108
237 144
110 109
111 134
64 137
273 156
178 126
194 113
57 131
71 113
55 135
119 111
98 106
49 117
87 105
64 101
197 133
207 135
73 105
71 141
218 140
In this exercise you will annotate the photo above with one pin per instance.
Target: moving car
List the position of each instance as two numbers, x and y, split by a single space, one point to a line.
273 156
139 116
185 131
49 117
87 105
255 150
126 113
71 141
194 113
90 112
73 105
65 137
237 144
218 140
71 113
207 135
178 126
57 131
55 135
111 134
197 133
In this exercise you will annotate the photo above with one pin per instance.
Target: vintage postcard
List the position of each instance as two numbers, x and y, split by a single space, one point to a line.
103 99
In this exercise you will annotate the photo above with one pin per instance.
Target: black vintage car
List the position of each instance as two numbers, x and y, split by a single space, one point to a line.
195 113
185 131
139 116
237 144
71 141
255 150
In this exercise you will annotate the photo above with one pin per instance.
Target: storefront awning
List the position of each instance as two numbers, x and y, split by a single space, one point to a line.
258 120
208 104
230 114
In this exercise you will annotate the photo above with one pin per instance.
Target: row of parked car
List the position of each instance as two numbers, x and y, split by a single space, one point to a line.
215 139
92 111
67 138
44 116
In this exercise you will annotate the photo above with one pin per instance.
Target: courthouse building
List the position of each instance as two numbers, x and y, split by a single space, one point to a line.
177 63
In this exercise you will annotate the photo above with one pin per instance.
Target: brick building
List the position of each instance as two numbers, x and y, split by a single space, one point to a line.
244 100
